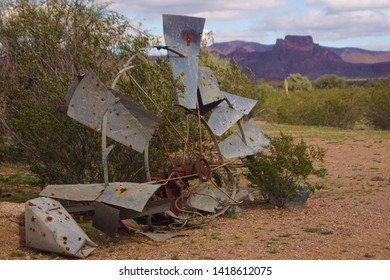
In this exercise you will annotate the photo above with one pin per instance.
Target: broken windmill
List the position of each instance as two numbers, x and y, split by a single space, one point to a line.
199 187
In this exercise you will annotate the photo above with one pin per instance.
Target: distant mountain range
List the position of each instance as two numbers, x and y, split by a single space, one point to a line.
299 54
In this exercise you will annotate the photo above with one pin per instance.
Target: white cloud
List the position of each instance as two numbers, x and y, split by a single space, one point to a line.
331 26
263 21
215 10
348 5
218 15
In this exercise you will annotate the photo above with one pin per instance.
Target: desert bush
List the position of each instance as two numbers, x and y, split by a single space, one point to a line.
326 107
281 172
44 45
378 111
297 82
329 81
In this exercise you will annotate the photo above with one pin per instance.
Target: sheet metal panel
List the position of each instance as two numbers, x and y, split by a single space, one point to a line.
78 192
124 128
128 195
184 33
208 86
152 207
241 104
204 198
222 118
128 123
49 227
254 136
106 219
160 236
89 98
234 146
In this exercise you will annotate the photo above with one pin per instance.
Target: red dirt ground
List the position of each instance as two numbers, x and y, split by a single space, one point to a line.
349 219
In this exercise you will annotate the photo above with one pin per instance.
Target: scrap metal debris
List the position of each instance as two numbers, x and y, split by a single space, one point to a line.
180 195
49 227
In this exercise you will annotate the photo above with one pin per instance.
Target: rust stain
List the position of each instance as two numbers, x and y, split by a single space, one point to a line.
31 204
122 190
187 37
67 248
33 219
182 74
49 219
65 238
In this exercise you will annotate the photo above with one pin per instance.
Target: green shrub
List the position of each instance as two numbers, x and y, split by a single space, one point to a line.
325 107
282 171
329 81
43 57
378 111
297 82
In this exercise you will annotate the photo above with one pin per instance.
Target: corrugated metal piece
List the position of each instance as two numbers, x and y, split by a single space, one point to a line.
78 192
128 195
106 219
222 118
207 198
49 227
128 123
184 33
234 146
209 86
241 104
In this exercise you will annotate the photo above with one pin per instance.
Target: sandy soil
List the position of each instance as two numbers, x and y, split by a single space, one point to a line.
349 219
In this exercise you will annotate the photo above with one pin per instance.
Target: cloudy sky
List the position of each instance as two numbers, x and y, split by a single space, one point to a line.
334 23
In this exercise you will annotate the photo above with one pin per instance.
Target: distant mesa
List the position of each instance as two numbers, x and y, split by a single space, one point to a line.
299 54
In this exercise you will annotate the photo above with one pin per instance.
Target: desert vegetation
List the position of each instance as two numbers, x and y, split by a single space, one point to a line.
44 47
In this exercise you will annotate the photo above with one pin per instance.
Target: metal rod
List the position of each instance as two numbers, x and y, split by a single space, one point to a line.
104 148
146 159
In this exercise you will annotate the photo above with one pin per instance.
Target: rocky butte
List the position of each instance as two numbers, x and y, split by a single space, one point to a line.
299 54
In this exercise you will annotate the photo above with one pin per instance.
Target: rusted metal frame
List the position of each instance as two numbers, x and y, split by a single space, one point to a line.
220 189
221 160
164 181
213 138
186 211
